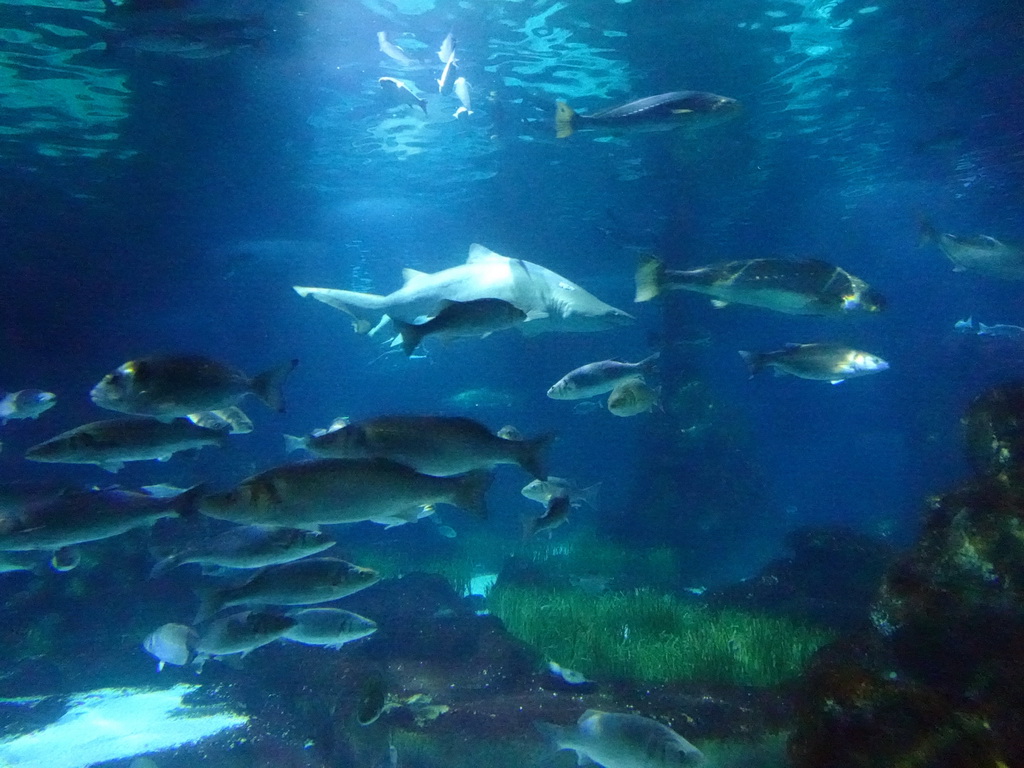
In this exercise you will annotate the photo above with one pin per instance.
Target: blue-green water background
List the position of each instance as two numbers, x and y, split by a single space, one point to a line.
154 203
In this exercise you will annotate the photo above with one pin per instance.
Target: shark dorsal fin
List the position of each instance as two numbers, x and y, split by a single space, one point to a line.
480 253
409 275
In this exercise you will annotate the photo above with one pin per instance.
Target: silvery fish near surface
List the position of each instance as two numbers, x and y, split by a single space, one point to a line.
249 546
478 318
543 491
447 49
434 445
111 443
302 582
329 627
392 51
790 286
631 398
79 516
660 112
444 84
330 491
598 378
167 387
485 275
980 253
614 740
400 93
25 404
820 362
462 93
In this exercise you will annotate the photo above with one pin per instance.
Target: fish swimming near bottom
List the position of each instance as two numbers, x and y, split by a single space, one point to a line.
614 740
790 286
820 362
112 442
464 319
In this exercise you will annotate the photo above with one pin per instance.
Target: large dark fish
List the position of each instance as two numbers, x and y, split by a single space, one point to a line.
666 110
791 286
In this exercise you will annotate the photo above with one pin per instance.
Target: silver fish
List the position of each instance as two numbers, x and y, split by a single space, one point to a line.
461 88
598 378
821 362
444 85
392 51
981 253
239 633
25 404
171 644
111 443
329 627
249 546
542 491
614 740
447 49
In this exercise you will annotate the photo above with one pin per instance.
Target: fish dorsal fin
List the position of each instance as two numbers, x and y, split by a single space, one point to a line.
409 275
793 345
481 253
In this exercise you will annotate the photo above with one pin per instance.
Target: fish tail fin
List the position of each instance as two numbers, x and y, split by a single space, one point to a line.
754 360
422 103
650 278
293 443
592 496
926 232
411 335
471 491
565 120
210 602
649 364
268 386
365 309
186 503
530 527
529 454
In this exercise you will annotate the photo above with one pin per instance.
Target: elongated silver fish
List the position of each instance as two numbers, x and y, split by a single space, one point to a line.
980 253
447 49
434 445
392 51
249 546
111 443
329 491
329 627
25 404
821 362
447 80
461 89
303 582
543 491
239 633
663 111
598 378
614 740
167 387
791 286
90 515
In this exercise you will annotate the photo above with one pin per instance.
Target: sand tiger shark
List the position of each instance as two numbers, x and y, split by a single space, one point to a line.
551 302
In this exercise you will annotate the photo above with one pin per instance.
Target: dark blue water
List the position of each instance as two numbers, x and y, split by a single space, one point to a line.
154 202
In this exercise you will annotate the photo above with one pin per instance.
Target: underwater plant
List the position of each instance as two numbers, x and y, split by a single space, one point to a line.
655 638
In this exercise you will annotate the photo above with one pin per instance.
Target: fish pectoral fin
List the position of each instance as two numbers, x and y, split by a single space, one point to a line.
718 303
112 466
837 381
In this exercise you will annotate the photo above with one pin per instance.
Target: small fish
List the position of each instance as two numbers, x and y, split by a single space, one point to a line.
171 644
981 253
434 445
25 404
332 491
78 516
598 378
790 286
392 51
543 491
820 362
666 110
447 49
964 326
462 92
631 398
1001 331
109 444
241 632
328 627
557 512
249 546
302 582
399 93
167 387
614 740
462 319
444 85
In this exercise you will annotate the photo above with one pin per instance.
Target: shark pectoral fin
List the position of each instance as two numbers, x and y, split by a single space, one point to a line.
718 303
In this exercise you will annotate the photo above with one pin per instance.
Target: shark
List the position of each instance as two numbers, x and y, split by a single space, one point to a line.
552 303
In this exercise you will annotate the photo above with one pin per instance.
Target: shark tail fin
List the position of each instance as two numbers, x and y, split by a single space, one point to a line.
411 335
365 309
565 120
754 360
650 278
269 385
